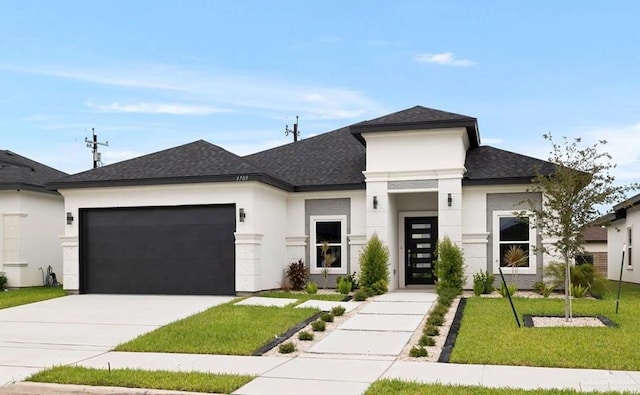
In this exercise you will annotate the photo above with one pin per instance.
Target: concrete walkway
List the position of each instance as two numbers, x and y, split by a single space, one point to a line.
360 351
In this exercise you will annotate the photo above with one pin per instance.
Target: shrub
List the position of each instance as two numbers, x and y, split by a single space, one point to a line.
543 289
440 309
584 275
344 285
427 341
503 290
311 288
287 348
3 282
483 283
431 330
478 286
318 326
446 297
417 352
360 295
578 291
326 316
297 274
379 287
374 261
449 267
338 311
306 336
436 320
546 291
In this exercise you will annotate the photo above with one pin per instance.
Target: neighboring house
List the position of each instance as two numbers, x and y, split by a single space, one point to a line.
31 220
620 234
197 219
595 247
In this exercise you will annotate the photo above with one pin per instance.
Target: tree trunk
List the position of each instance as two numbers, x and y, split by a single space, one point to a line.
567 290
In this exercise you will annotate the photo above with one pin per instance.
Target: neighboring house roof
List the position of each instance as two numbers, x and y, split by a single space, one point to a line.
333 160
488 165
329 161
620 209
19 172
594 234
418 117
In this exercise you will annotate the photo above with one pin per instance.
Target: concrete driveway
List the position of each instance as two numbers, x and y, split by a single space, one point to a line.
73 328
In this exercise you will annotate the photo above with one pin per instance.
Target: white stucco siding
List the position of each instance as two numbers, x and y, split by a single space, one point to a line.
416 150
617 237
30 223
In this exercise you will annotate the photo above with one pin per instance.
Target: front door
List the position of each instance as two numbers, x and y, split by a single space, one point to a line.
421 236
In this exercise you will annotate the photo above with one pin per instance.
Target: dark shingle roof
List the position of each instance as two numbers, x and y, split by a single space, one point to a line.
199 161
18 172
488 165
418 117
331 159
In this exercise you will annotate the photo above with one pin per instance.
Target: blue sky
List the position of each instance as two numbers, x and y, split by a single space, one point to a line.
149 75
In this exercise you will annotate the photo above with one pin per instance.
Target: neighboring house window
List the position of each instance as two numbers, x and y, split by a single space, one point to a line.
629 244
510 231
333 230
584 259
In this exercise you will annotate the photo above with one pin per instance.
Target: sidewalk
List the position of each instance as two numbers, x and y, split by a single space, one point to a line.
363 349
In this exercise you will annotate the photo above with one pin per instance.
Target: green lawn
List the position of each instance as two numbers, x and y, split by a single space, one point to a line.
489 335
302 296
16 297
226 329
397 387
130 378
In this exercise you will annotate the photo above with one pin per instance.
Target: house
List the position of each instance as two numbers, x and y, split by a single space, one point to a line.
197 219
620 235
31 220
595 248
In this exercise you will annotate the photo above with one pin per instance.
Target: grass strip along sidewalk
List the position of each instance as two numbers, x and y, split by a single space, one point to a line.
17 297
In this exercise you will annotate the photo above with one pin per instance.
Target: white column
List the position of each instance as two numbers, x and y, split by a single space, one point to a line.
70 263
248 269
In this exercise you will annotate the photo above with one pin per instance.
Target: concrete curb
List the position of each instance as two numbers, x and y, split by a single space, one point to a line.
31 388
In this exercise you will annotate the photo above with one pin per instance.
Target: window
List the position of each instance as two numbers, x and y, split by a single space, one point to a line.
333 230
586 259
511 232
629 244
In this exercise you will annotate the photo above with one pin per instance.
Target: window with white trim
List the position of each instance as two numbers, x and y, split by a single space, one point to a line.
333 230
513 232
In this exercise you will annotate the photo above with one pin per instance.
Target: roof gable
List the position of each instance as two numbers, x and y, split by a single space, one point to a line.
19 172
418 117
489 165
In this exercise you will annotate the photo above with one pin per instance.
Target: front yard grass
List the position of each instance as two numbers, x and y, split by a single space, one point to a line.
398 387
131 378
225 329
489 335
303 296
17 297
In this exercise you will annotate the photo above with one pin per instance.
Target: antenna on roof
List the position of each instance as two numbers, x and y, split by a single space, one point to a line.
295 131
93 144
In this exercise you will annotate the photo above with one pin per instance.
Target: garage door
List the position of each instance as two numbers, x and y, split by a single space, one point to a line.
184 250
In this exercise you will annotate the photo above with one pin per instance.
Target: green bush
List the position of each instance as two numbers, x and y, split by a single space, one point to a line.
297 274
374 267
338 311
578 291
326 316
427 341
306 336
436 320
353 278
483 283
503 290
360 295
318 326
431 330
446 297
311 288
583 275
344 285
543 289
449 267
287 348
379 287
440 309
3 282
417 352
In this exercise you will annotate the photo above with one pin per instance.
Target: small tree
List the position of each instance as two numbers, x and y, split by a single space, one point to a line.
374 260
449 267
580 184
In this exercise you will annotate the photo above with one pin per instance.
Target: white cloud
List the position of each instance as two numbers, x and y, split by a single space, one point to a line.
444 59
158 108
215 89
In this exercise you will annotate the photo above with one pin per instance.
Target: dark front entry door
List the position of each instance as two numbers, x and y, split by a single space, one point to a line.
421 236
